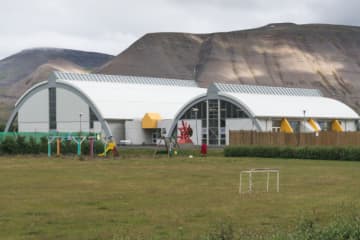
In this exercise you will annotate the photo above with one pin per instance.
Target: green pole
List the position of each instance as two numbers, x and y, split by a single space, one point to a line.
49 149
79 148
105 149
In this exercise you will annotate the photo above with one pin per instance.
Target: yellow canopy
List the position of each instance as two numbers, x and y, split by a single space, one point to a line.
150 120
336 126
314 125
285 126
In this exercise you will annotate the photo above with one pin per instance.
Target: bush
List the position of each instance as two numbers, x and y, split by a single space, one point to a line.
325 153
68 147
21 146
9 146
342 228
32 146
43 145
98 147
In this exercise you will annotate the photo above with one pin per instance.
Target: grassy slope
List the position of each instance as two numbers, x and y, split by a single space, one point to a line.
71 199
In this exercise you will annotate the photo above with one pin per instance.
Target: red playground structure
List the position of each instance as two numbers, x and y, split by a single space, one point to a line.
185 133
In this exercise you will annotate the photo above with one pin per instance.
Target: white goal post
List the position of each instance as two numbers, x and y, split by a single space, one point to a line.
268 171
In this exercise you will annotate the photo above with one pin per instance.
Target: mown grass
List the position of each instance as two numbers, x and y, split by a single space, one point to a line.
138 197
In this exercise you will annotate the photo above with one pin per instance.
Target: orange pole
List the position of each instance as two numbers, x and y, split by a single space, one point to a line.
58 146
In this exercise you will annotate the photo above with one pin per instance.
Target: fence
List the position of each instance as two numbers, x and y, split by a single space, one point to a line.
294 139
38 135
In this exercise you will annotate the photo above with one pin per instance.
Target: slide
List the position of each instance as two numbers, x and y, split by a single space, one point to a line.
111 146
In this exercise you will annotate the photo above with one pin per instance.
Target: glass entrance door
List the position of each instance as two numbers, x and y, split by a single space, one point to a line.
213 122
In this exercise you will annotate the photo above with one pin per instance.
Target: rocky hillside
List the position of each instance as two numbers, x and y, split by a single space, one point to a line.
326 57
22 70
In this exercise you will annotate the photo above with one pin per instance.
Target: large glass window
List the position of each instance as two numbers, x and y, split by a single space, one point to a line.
52 108
219 111
231 111
199 114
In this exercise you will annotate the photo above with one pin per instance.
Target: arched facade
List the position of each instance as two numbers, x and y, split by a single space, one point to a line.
58 85
210 118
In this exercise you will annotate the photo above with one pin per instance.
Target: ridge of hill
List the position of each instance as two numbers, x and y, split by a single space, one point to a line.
326 57
20 71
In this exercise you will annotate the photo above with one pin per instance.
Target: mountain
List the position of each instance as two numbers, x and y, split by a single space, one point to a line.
326 57
28 67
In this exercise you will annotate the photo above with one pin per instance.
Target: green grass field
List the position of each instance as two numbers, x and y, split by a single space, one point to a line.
178 198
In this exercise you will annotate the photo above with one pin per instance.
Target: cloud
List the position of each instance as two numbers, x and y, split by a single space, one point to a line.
110 25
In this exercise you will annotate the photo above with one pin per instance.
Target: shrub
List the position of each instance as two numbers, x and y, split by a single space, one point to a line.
9 146
68 147
33 146
317 152
21 145
98 147
342 228
43 144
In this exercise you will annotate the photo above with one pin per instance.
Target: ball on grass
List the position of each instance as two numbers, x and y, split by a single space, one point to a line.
190 156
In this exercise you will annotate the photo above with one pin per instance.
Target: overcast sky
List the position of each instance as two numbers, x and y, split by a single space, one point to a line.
110 26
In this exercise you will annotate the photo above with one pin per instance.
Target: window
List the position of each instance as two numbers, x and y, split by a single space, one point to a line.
155 136
276 125
231 111
295 125
325 125
52 108
92 118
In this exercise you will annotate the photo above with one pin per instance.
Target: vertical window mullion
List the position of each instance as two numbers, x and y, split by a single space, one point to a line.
52 109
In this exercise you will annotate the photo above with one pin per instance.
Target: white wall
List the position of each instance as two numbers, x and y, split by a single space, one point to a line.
135 133
68 109
349 125
33 116
266 124
117 128
238 124
165 124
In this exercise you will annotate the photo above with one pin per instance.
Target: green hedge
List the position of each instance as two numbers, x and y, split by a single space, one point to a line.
22 145
325 153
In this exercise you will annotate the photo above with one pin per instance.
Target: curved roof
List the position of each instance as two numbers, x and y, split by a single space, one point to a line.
267 90
262 105
130 98
125 79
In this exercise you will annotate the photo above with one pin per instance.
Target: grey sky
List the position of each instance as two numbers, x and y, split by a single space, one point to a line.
110 26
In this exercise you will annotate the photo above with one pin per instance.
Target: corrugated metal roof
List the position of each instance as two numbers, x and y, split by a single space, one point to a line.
125 79
132 101
265 105
267 90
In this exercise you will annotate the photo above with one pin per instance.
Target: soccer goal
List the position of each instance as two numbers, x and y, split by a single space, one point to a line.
251 172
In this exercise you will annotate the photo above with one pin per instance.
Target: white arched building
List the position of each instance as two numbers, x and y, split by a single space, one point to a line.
140 109
70 102
228 107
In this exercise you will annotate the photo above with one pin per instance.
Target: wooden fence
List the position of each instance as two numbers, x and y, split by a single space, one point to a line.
294 139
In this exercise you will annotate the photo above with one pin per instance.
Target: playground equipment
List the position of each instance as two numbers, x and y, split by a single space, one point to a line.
77 139
169 144
109 147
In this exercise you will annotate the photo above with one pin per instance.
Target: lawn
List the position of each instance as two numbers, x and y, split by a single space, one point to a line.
178 198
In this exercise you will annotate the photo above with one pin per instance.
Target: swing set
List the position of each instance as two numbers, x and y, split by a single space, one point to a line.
108 146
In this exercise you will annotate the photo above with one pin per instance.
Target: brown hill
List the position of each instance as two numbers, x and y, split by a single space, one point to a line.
22 70
326 57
